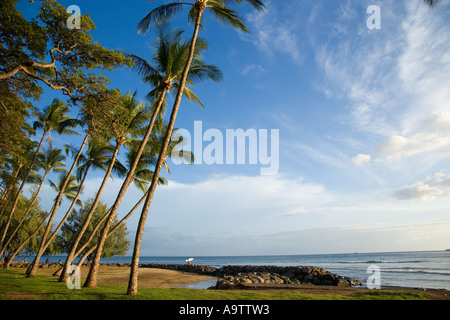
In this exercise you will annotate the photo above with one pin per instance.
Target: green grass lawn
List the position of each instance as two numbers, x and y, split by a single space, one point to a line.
14 285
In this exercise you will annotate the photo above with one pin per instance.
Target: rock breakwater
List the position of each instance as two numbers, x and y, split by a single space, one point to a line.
235 276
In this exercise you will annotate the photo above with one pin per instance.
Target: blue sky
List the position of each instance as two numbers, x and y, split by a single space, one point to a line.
363 118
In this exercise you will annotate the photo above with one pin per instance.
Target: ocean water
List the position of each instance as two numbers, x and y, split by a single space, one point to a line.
427 269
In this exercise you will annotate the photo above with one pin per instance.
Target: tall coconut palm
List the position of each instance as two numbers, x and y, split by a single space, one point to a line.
124 116
71 191
142 177
71 187
163 72
99 155
53 118
50 160
128 117
220 9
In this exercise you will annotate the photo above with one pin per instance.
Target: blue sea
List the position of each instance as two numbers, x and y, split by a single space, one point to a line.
426 269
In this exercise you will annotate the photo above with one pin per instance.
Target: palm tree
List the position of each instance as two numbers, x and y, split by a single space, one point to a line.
71 191
127 118
53 118
142 177
17 165
164 72
124 117
224 14
50 160
98 157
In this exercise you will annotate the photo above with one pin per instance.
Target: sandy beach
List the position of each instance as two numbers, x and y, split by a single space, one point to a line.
153 278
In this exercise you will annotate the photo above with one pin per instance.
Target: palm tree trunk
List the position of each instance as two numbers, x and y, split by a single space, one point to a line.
71 254
110 233
19 249
91 280
31 272
16 200
7 190
133 281
24 215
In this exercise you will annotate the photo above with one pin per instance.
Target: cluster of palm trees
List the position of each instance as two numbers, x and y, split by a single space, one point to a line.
110 122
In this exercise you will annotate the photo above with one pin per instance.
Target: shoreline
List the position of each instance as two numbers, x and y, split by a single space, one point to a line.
113 274
184 274
164 278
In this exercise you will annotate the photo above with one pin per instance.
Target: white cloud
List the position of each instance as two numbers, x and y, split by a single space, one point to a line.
361 159
418 191
433 135
398 146
428 190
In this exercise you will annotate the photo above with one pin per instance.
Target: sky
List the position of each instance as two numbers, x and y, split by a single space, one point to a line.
356 105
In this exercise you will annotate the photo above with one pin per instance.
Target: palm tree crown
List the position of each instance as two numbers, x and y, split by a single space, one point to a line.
165 69
219 8
51 159
55 118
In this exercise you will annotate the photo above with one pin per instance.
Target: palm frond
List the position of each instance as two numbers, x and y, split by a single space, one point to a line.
192 97
201 72
227 16
159 14
141 66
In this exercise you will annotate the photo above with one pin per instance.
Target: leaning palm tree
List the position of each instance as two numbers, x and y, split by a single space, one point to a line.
18 165
128 117
53 118
164 72
71 191
100 153
123 118
220 9
50 160
142 178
